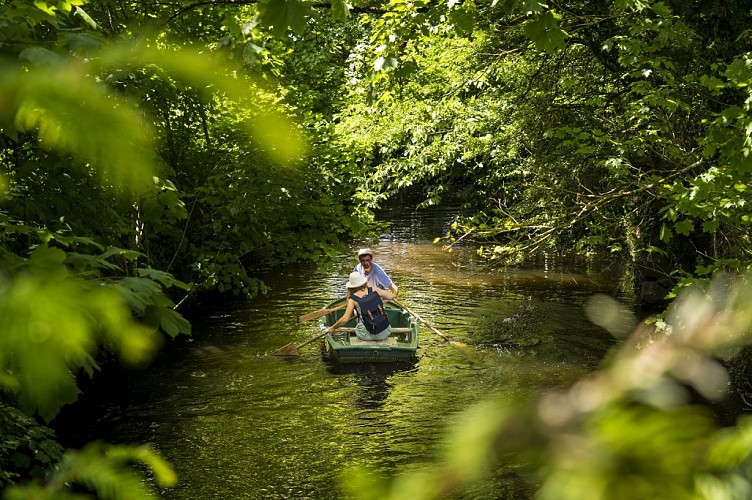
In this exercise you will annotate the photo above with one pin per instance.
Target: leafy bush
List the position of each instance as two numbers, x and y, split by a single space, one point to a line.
27 449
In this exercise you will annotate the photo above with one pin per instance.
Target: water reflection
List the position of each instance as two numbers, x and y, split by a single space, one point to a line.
372 380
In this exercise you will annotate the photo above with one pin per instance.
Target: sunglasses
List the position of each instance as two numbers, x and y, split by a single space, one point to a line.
365 259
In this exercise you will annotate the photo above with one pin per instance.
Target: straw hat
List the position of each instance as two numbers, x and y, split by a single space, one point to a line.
364 251
356 280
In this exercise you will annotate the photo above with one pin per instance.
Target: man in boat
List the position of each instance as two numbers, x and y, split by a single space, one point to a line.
367 303
373 272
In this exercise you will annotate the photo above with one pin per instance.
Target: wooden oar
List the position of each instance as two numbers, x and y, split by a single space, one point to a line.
319 313
430 326
292 350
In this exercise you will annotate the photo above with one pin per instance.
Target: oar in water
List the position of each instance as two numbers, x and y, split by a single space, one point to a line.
319 313
292 350
430 326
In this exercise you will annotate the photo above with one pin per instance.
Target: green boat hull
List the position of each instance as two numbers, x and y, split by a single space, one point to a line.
345 347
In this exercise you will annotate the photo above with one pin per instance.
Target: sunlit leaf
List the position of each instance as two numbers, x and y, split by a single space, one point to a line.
105 470
52 326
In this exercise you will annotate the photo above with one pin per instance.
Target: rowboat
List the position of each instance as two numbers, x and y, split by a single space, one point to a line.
344 347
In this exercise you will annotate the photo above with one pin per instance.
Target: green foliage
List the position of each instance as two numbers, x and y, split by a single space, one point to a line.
27 449
54 322
48 102
105 132
544 30
280 15
103 470
628 134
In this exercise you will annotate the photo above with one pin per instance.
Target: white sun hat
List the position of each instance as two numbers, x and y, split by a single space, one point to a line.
356 280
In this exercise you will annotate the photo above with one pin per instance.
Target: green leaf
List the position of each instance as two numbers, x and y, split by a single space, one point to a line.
129 255
83 42
82 262
661 9
165 278
61 104
143 286
172 323
340 9
279 15
653 249
545 32
103 471
463 21
69 241
531 6
665 234
385 63
739 73
710 226
39 56
49 262
684 227
44 7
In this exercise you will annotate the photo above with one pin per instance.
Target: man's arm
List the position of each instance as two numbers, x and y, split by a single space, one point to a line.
385 278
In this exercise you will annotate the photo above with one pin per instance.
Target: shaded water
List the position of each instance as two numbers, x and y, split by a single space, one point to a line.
237 423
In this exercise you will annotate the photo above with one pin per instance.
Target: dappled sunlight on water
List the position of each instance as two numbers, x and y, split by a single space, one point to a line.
239 423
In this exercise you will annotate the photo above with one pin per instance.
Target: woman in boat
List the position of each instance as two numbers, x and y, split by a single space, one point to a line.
358 292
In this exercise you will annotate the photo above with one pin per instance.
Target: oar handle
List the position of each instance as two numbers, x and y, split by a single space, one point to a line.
319 313
429 325
311 340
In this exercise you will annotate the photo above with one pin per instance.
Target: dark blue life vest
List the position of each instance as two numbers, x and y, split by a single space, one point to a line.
372 312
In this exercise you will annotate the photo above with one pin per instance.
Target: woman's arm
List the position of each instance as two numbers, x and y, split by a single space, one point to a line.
345 316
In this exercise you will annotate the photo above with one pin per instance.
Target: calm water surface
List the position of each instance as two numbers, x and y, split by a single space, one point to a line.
238 423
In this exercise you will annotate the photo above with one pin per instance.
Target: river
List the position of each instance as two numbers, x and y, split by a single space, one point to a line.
236 422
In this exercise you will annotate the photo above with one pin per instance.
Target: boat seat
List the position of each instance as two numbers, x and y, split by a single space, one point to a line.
390 341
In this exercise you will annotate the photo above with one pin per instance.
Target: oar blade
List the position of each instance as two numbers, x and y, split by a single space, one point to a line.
312 315
289 350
